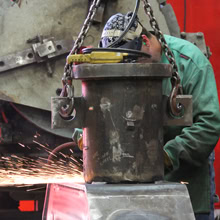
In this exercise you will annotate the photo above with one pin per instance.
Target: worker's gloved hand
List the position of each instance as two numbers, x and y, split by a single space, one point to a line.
80 143
167 161
78 137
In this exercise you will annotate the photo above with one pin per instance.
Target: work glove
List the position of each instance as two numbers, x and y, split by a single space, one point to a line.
78 137
80 143
167 161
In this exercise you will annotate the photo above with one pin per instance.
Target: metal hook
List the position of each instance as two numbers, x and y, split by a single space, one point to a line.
174 107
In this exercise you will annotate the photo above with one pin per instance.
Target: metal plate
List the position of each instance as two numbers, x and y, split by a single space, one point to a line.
28 56
145 70
46 49
186 119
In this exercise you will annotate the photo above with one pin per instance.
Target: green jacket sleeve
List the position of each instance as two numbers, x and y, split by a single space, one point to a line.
77 134
194 144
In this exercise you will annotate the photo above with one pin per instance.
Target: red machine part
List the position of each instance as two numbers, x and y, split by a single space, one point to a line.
203 17
28 205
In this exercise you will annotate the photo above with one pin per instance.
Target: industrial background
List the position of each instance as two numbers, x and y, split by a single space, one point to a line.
25 23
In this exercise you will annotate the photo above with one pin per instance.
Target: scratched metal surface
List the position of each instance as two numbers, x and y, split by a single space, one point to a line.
30 85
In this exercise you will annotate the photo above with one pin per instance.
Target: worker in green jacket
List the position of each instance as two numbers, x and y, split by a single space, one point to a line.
188 148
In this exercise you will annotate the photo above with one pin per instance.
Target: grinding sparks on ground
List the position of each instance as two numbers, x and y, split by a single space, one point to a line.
185 183
18 171
21 144
23 171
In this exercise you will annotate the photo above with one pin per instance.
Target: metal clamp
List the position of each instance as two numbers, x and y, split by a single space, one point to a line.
197 39
75 120
68 92
186 118
46 48
175 107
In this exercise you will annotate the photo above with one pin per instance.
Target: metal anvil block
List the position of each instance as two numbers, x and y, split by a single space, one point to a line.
159 201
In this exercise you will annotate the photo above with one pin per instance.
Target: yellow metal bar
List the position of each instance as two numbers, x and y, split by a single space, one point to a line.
97 57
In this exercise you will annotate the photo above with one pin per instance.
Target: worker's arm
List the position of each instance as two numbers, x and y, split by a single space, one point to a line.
195 143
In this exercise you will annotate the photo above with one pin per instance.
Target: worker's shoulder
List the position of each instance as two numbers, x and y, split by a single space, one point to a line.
187 50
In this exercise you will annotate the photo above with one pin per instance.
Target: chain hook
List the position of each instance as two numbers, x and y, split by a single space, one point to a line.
175 107
67 91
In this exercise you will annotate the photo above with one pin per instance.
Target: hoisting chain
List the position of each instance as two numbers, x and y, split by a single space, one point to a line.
68 90
87 23
79 41
175 107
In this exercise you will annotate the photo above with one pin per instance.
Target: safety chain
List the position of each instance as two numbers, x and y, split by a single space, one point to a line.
68 88
79 41
175 79
87 23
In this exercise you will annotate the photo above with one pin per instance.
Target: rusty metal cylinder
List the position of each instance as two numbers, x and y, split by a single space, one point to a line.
123 129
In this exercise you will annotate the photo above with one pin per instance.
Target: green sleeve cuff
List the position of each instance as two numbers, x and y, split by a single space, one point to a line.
77 134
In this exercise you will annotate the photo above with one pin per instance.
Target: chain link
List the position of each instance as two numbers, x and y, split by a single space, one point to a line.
175 79
78 43
68 88
160 37
85 28
87 23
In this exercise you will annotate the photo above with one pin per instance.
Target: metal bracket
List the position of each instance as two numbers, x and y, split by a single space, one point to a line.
75 121
39 52
170 18
98 18
197 39
46 48
162 2
186 119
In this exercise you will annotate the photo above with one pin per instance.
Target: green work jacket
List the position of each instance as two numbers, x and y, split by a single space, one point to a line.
190 147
